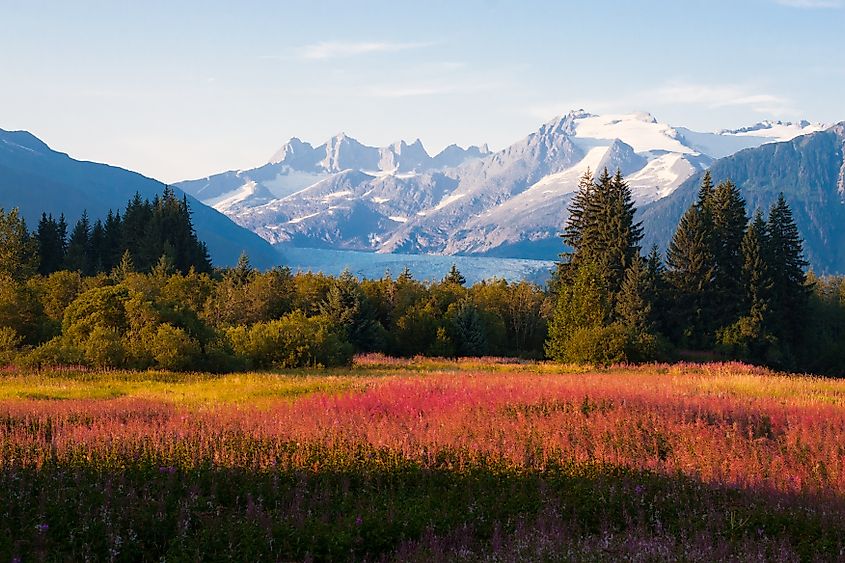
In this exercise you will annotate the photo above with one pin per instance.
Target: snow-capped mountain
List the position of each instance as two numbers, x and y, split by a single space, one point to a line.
346 195
298 165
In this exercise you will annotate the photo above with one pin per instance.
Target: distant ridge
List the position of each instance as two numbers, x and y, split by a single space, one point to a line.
37 179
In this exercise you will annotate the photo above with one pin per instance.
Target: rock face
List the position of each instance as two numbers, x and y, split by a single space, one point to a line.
512 203
36 179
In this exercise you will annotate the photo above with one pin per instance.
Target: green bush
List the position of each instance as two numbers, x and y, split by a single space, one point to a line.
55 352
747 340
104 348
292 341
173 349
601 345
9 344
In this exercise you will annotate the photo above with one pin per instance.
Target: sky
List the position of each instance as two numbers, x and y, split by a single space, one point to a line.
179 90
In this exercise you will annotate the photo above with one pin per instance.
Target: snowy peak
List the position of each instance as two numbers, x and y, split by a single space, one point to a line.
343 152
453 155
621 156
345 194
294 153
780 130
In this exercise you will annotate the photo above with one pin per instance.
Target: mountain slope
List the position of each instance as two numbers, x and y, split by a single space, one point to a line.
809 170
37 179
512 203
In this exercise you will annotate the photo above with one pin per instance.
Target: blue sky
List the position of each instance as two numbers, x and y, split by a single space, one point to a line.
179 90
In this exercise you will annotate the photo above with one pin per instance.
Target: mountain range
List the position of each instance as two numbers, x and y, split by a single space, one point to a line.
343 194
36 179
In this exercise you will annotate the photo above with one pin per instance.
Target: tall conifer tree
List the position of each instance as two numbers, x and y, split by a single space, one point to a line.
690 273
729 221
787 264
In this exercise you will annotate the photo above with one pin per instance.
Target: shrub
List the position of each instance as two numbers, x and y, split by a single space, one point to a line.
292 341
173 349
102 306
9 343
104 348
602 345
55 352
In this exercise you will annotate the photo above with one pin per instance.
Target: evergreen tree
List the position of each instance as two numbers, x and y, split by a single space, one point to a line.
405 276
97 245
242 272
691 270
78 257
576 223
705 191
656 279
467 330
787 264
756 277
18 250
136 218
125 267
454 276
634 307
349 311
51 245
729 221
621 234
113 248
601 230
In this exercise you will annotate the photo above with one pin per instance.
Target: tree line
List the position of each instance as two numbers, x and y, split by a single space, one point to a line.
729 287
146 232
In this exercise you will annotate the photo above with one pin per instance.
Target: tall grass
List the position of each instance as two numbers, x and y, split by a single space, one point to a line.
425 459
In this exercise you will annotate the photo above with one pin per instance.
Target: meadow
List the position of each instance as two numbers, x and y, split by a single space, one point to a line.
423 460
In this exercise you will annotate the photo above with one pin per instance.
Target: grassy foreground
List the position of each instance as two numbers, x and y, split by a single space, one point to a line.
424 460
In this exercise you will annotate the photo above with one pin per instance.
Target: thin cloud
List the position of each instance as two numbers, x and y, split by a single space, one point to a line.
716 96
812 4
344 49
410 90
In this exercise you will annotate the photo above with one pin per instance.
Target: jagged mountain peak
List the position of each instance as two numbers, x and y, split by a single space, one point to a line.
469 200
294 148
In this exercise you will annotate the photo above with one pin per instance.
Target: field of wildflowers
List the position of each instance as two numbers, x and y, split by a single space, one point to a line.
421 460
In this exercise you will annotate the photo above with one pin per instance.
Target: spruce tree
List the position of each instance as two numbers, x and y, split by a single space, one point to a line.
691 271
656 279
467 330
454 276
634 307
756 277
790 292
748 338
575 224
705 191
125 267
112 241
243 271
51 245
97 246
621 234
78 257
727 213
18 250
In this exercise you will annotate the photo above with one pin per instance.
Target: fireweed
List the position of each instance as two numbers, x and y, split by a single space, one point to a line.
427 460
